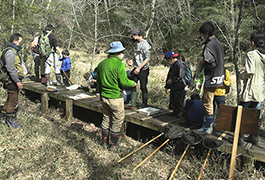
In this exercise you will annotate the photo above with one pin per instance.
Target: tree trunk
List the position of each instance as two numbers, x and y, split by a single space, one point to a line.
235 48
151 20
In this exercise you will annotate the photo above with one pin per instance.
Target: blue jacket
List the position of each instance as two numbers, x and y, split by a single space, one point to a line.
194 110
66 64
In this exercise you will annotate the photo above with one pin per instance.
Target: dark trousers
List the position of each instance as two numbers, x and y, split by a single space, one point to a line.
178 100
65 80
143 77
217 101
12 97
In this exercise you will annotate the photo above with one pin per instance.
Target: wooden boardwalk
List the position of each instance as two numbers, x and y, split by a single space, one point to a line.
154 122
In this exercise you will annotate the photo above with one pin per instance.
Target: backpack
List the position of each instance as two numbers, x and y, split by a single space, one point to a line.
227 88
3 71
44 45
188 75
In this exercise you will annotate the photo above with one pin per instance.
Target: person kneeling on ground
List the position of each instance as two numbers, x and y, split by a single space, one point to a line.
193 111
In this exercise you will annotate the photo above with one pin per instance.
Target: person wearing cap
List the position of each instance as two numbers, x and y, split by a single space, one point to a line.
111 78
140 64
52 59
213 64
174 82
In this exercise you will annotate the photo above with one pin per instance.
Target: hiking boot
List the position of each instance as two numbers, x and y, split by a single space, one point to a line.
11 120
252 139
105 138
114 141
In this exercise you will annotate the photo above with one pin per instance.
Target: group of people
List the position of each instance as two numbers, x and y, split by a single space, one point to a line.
44 49
111 78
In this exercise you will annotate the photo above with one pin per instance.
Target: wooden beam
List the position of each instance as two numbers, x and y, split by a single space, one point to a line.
44 102
68 109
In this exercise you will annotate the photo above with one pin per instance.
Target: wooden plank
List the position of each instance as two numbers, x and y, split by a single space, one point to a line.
44 102
227 119
68 109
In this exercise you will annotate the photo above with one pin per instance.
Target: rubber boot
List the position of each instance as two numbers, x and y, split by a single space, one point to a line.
3 116
43 80
144 100
48 80
59 79
105 138
134 95
207 126
114 141
37 76
11 120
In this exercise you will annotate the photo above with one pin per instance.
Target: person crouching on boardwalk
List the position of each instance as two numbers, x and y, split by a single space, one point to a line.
111 77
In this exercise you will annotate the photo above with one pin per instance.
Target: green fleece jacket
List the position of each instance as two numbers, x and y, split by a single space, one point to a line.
112 77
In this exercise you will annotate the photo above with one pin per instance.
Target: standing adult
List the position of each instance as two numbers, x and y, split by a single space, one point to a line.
111 78
50 59
13 83
253 78
213 64
140 63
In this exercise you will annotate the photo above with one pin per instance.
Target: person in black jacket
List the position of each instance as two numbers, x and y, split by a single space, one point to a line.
213 64
175 83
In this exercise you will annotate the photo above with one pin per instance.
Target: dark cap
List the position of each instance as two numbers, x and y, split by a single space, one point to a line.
134 31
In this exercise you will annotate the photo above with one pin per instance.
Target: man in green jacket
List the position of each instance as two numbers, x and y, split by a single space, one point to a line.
111 78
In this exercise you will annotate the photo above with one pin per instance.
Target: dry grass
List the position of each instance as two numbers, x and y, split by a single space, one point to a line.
49 147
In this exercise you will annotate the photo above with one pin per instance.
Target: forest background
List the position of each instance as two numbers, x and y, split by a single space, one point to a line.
90 25
53 147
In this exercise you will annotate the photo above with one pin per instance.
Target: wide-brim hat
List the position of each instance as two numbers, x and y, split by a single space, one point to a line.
115 47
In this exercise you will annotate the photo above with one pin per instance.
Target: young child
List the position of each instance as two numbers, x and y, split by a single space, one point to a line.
91 77
193 111
65 67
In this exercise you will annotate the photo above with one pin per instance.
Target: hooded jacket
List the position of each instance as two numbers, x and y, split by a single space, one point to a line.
213 63
253 77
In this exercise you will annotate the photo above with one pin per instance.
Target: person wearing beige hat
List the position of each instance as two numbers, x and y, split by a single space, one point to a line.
140 63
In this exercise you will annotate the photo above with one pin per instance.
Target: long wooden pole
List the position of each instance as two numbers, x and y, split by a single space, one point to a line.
68 78
176 168
235 143
140 147
150 155
209 152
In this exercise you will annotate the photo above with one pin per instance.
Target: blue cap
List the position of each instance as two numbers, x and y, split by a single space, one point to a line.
115 47
169 54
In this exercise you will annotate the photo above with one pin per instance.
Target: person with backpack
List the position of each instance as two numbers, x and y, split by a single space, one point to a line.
36 57
175 82
220 92
213 64
12 63
140 63
47 49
